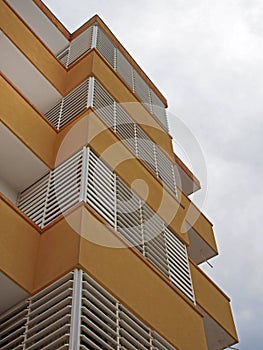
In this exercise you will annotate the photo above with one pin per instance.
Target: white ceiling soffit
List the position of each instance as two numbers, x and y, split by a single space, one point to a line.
17 68
40 24
19 166
10 293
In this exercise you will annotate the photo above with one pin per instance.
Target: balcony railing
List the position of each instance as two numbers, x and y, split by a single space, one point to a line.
91 93
85 177
95 37
45 320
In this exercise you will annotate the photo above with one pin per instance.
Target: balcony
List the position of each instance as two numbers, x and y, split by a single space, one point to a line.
19 244
31 47
96 35
200 232
85 177
122 271
218 320
19 116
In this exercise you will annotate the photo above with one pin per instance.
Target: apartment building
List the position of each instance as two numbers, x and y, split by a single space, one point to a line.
100 245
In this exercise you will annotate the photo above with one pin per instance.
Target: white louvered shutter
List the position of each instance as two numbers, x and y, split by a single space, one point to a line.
101 188
32 200
141 89
125 128
129 220
165 169
154 240
158 109
80 45
103 104
105 47
178 264
124 69
145 149
64 188
70 106
98 316
13 327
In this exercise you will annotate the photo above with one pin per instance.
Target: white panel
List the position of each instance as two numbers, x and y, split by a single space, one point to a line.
145 149
141 89
101 188
63 56
165 169
74 103
13 327
125 128
32 200
64 188
155 248
98 320
40 24
134 334
124 68
129 218
49 315
106 47
158 109
103 104
57 191
54 114
178 264
80 45
8 190
46 320
69 106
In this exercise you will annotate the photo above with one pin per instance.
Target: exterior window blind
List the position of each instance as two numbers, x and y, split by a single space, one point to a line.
76 312
101 188
70 106
94 36
106 47
125 70
78 47
133 136
85 177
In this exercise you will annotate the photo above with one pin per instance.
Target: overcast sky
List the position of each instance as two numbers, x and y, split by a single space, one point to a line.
206 57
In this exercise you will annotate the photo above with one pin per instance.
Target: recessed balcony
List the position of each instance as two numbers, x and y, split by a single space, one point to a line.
26 77
40 24
19 166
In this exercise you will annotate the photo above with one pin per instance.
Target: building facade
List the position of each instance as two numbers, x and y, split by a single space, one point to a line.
100 243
